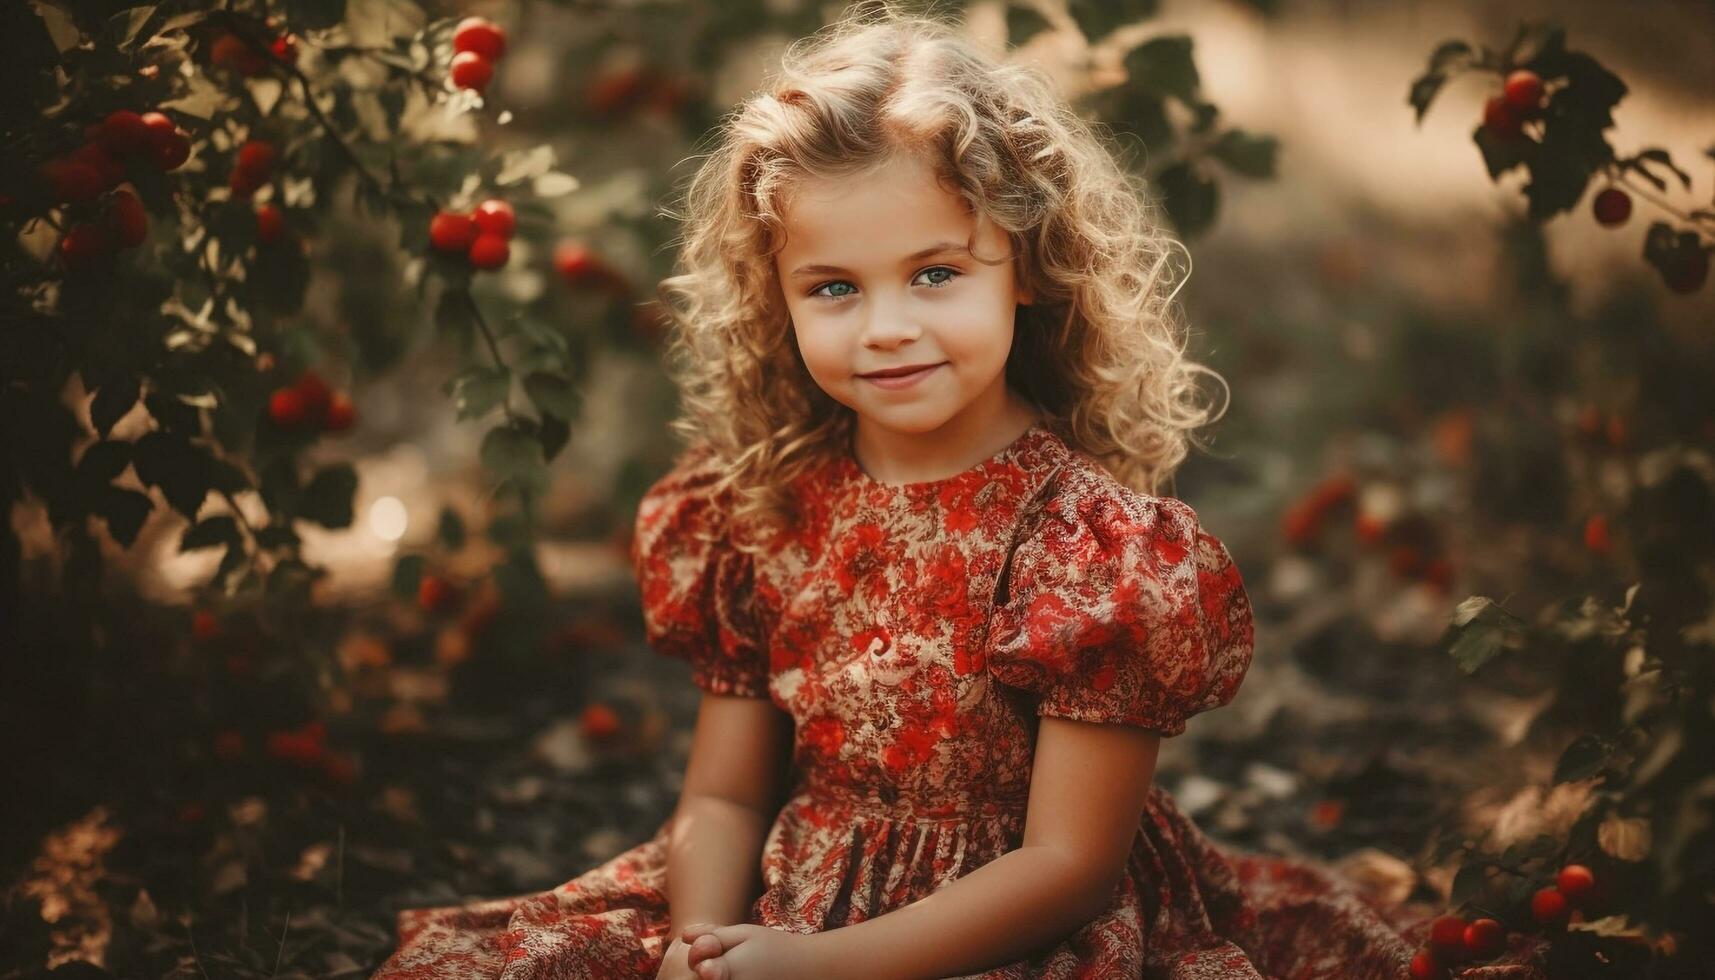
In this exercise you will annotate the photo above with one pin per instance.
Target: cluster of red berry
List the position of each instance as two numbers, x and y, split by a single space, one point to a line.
484 236
1454 941
1519 100
310 405
97 168
254 167
231 52
477 44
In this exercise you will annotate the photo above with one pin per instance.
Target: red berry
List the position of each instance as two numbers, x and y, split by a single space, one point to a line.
339 768
315 393
85 244
100 158
171 149
130 223
1424 966
125 131
1404 561
489 251
231 52
1484 938
270 224
286 408
1596 536
314 729
204 626
495 217
72 180
1500 118
616 90
285 49
1447 934
244 182
1523 90
434 594
1612 207
577 263
341 415
1548 906
471 70
258 157
480 35
451 232
599 722
1575 881
1688 273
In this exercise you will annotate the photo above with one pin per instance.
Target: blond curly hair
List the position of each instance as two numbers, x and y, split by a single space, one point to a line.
1100 351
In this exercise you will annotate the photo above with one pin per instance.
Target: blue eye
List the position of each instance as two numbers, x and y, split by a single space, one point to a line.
951 275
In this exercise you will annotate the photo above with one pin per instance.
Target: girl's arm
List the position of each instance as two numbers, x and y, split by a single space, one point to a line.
733 783
1088 787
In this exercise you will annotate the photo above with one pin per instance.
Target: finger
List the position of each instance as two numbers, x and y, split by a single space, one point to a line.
715 969
704 947
695 929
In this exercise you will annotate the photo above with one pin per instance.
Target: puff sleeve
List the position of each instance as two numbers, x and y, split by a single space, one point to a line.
1117 606
697 589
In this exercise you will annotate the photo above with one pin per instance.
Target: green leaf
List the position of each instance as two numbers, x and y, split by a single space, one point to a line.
553 394
277 536
122 28
514 454
291 578
450 531
182 471
213 532
477 391
408 575
1023 23
327 499
1164 66
125 511
1482 630
553 433
112 400
1190 197
1099 18
1447 57
103 461
1584 758
280 274
521 585
1246 153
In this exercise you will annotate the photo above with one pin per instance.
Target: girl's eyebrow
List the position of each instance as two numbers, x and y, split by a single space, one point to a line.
938 248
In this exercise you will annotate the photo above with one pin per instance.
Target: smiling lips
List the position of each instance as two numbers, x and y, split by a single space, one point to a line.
902 377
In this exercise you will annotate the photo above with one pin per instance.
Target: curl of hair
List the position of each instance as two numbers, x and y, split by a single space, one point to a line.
1101 349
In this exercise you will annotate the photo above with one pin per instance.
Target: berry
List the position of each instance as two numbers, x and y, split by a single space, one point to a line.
599 722
577 263
1523 90
341 414
316 395
1447 934
130 223
229 51
270 224
294 747
489 251
84 245
495 217
481 36
451 232
204 626
228 746
125 131
1404 561
244 182
284 49
1484 938
258 157
99 156
1612 207
72 180
1500 118
1688 273
1548 906
1596 536
615 91
286 408
168 147
435 594
1424 966
1575 881
471 70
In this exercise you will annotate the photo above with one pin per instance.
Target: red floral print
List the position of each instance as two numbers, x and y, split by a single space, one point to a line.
915 634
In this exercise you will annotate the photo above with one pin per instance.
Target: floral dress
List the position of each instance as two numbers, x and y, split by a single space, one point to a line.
915 633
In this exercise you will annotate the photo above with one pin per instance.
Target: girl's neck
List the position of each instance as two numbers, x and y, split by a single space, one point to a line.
971 436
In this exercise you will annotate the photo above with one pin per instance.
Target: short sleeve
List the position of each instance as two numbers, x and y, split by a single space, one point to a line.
697 589
1118 607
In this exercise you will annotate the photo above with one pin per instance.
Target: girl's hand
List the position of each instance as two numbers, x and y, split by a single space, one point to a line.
747 952
676 965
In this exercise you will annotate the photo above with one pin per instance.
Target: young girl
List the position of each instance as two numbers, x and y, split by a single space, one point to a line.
917 564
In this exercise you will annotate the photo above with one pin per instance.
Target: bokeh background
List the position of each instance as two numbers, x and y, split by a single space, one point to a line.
278 665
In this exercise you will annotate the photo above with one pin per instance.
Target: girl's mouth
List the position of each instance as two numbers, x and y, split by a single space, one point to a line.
897 381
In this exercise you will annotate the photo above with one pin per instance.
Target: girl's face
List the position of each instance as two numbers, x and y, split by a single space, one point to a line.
877 277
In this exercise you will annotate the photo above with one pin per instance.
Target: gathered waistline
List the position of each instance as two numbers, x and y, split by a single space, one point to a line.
953 810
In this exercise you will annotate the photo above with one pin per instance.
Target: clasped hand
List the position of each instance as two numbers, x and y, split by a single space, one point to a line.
747 952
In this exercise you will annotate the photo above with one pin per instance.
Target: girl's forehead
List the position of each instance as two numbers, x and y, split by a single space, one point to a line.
894 204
